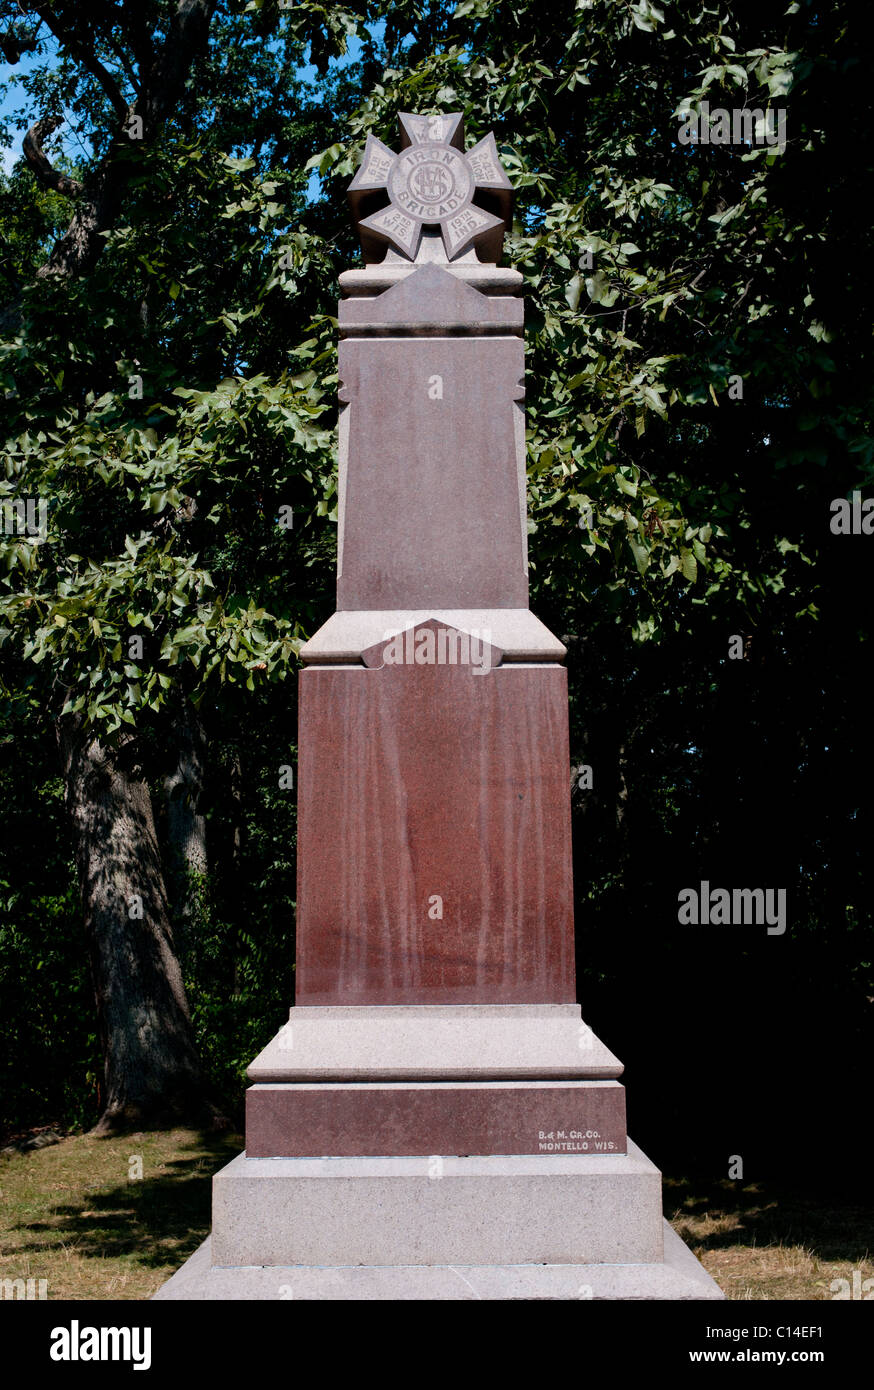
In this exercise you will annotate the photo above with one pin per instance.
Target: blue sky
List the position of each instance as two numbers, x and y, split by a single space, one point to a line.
14 97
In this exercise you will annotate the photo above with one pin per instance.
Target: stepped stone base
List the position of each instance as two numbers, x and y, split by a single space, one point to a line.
435 1042
678 1277
529 1227
453 1215
496 1209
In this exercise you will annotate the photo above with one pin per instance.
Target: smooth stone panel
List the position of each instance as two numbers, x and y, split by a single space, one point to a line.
302 1120
434 855
544 1209
679 1277
437 1042
433 512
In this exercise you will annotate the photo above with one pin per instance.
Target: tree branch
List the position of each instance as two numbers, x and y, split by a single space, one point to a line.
163 83
90 62
125 63
48 175
161 86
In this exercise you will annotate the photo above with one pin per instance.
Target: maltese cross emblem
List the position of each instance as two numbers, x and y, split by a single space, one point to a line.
434 182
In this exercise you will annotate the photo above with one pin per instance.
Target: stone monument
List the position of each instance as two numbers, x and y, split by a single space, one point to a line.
435 1120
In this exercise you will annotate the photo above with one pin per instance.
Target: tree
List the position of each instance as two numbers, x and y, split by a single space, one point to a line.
101 586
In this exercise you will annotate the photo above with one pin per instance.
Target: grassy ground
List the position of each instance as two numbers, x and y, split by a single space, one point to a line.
72 1215
77 1215
761 1242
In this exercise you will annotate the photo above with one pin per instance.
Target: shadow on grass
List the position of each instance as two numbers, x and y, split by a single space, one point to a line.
159 1220
764 1214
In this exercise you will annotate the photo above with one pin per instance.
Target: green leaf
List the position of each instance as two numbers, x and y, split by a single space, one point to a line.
689 565
573 291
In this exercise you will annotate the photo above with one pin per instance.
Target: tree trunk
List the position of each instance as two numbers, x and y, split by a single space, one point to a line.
186 824
152 1072
236 797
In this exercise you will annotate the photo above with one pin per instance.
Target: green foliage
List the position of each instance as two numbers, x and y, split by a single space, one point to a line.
665 515
238 946
50 1058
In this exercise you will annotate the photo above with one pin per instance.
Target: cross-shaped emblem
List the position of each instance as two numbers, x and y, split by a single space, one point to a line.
432 182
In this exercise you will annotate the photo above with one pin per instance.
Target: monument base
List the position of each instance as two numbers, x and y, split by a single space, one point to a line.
494 1227
679 1276
438 1152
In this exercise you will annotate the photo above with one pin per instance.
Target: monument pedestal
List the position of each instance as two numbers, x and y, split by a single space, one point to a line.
509 1177
493 1227
435 1080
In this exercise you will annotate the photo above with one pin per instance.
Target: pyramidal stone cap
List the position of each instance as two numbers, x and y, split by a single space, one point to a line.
429 301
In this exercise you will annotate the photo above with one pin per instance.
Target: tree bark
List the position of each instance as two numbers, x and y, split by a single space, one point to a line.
186 824
153 1074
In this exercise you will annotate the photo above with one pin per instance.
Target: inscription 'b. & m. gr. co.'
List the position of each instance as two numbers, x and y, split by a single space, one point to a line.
574 1141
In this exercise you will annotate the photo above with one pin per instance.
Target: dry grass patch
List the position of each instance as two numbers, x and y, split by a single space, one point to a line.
759 1242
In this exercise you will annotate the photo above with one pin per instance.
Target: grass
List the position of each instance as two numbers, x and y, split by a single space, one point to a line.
763 1242
71 1214
76 1215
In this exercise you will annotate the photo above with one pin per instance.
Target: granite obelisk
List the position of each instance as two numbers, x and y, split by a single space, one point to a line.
435 1120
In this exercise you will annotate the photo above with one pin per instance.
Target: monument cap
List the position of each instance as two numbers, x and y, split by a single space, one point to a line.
431 182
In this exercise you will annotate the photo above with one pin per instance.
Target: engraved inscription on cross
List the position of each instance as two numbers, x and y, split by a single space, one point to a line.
433 181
